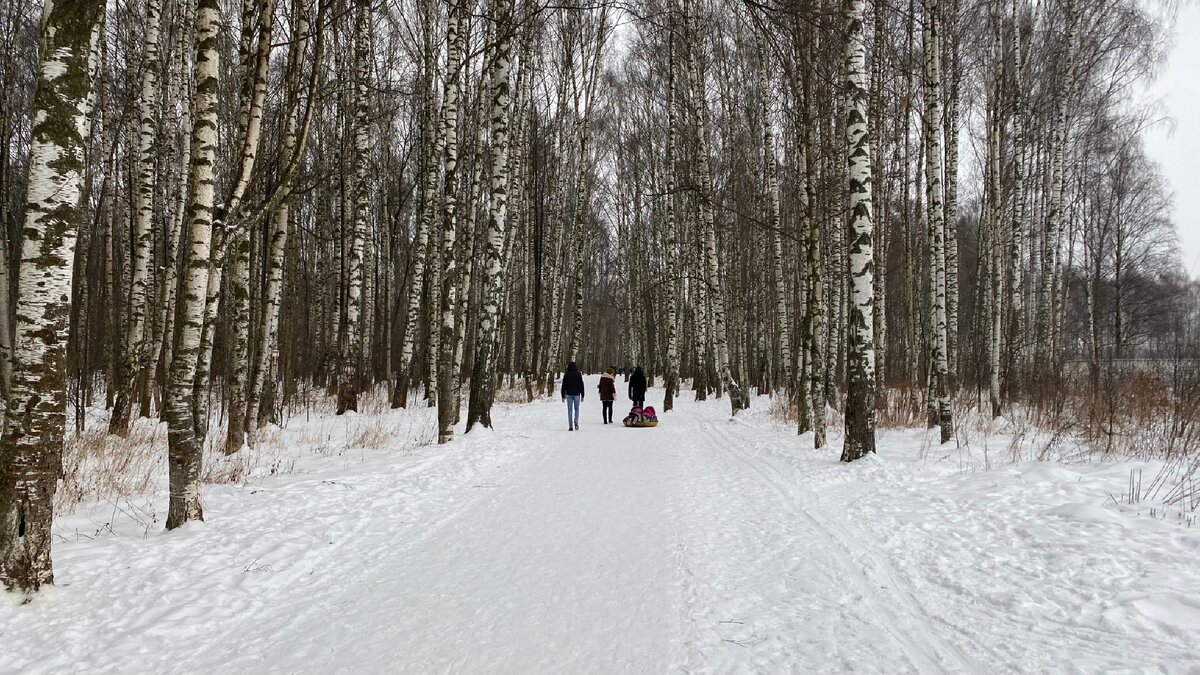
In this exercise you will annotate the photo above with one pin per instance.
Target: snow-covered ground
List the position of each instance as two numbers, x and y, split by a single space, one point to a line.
707 544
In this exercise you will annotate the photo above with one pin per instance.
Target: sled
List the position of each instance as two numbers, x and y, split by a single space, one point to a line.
639 423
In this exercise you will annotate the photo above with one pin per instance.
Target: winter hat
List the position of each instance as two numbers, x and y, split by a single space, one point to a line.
611 371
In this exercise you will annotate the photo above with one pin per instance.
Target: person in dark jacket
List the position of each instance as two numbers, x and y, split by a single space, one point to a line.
572 394
608 393
637 387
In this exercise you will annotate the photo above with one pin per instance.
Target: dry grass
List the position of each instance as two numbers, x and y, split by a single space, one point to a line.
99 467
1142 415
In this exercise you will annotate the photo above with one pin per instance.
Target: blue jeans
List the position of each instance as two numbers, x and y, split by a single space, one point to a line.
573 409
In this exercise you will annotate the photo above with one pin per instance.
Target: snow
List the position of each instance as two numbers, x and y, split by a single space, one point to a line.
707 544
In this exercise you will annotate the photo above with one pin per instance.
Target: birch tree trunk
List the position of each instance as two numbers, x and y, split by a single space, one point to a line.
860 347
814 328
771 171
163 346
433 139
447 402
939 365
995 262
881 201
6 327
230 225
351 348
954 73
294 135
672 243
708 233
1052 248
483 382
143 232
36 407
1016 243
185 435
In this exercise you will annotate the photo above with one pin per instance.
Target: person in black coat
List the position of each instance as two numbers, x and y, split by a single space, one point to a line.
637 387
572 394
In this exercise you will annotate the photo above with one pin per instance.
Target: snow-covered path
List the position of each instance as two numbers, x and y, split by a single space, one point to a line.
704 545
563 562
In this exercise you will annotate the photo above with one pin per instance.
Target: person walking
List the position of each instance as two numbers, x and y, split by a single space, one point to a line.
637 387
608 394
572 394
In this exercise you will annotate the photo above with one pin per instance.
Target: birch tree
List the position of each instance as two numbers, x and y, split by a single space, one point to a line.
483 378
771 175
142 225
433 142
710 262
295 138
672 234
36 408
939 363
348 383
447 401
860 348
185 435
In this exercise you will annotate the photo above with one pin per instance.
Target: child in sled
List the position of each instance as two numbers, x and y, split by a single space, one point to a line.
641 417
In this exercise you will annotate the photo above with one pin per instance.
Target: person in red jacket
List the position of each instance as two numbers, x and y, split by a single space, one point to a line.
608 393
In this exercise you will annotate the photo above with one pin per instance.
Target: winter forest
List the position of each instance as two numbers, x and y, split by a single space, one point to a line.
887 266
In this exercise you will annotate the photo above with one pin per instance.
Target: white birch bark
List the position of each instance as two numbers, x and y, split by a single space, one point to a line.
230 226
6 326
431 134
36 408
1016 243
185 434
934 130
181 79
143 232
482 379
771 174
1052 249
268 336
351 348
996 263
711 267
860 347
672 240
582 186
447 402
814 309
953 70
880 199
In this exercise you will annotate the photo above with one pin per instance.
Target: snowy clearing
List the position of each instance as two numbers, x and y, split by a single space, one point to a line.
704 545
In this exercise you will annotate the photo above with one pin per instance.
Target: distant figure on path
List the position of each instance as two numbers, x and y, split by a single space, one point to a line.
608 393
637 387
572 394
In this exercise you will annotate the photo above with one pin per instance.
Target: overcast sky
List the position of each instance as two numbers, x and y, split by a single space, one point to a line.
1177 145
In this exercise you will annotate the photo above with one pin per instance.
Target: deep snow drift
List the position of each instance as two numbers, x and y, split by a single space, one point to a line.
707 544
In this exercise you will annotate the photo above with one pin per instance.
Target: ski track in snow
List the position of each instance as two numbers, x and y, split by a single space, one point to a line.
705 545
876 625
